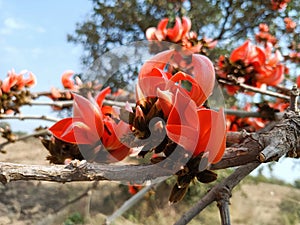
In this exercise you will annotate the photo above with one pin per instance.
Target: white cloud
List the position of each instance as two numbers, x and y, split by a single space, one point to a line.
11 24
10 50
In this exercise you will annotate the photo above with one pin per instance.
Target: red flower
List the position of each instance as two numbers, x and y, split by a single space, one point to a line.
290 25
67 82
85 127
253 65
249 54
195 129
92 125
176 33
152 77
16 81
279 4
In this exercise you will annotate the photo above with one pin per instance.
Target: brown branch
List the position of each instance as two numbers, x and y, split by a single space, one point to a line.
60 104
281 140
253 89
28 117
81 172
223 205
225 185
24 137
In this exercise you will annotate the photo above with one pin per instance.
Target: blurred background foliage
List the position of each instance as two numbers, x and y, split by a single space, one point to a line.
119 22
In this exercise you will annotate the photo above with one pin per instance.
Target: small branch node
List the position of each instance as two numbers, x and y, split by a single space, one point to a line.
294 94
77 164
261 158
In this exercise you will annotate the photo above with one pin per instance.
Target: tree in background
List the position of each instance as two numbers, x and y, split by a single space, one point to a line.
119 22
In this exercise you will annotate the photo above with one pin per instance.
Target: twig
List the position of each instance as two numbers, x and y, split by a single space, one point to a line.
35 95
130 202
24 137
29 117
213 195
85 193
60 104
254 89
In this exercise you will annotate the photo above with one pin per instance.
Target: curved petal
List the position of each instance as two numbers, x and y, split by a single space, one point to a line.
73 130
6 85
30 81
165 101
195 92
159 61
149 84
66 79
150 34
89 113
182 124
174 34
217 136
186 25
101 96
241 52
162 25
204 73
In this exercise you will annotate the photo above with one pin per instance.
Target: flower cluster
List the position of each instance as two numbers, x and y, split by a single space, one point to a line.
94 127
169 120
267 111
13 90
279 4
294 56
181 34
252 65
264 36
188 123
192 131
290 25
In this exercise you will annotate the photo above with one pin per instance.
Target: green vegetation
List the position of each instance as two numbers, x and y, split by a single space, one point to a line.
74 219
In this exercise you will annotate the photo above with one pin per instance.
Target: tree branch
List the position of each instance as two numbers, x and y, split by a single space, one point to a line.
28 117
255 148
131 202
214 194
37 133
253 89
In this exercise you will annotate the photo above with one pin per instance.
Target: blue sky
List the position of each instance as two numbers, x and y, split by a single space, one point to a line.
33 36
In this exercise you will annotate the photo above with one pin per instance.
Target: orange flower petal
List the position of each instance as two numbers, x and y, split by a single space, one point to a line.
159 61
204 73
182 123
89 113
174 34
217 135
66 79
